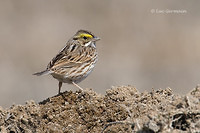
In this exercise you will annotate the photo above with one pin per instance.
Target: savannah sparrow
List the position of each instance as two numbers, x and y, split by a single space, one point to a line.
75 61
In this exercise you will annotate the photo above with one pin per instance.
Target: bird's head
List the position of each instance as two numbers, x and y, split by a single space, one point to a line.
85 38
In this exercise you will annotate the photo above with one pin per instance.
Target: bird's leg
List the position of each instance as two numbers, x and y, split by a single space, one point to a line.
60 85
77 86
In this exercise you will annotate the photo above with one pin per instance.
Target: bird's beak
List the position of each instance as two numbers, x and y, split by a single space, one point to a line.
95 39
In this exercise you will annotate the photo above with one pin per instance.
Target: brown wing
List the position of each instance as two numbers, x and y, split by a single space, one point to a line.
71 56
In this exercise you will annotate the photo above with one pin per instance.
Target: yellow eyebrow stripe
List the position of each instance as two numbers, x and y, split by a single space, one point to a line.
86 35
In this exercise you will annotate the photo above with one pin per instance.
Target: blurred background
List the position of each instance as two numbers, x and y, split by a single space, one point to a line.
142 44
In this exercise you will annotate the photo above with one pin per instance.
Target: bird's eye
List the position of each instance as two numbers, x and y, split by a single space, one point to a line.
85 37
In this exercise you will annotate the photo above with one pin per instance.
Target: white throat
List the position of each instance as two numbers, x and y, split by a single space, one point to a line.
88 43
91 43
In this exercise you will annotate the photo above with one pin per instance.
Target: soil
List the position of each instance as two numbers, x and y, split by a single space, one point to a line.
122 109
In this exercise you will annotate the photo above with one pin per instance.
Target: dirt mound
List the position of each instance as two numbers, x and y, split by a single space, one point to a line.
122 109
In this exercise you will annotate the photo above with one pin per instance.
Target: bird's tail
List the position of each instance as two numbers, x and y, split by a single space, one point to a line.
45 72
